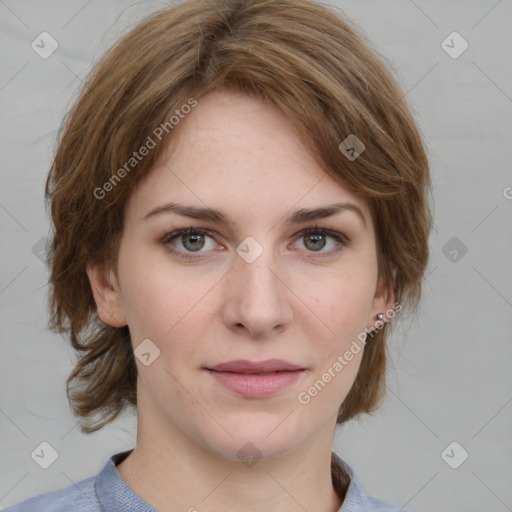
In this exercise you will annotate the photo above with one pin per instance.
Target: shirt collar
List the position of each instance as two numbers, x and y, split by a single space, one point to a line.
356 500
114 494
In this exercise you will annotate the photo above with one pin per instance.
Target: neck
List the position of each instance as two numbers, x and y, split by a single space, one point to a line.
192 488
182 475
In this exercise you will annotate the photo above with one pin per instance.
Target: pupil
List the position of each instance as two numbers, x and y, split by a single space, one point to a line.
195 243
315 239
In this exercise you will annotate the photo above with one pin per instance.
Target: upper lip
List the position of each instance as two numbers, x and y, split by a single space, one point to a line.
245 366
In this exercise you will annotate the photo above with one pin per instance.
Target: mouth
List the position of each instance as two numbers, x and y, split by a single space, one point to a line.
256 380
254 373
270 366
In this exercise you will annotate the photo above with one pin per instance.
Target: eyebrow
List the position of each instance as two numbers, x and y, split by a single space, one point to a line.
295 217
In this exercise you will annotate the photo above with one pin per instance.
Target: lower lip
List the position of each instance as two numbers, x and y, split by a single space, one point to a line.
256 386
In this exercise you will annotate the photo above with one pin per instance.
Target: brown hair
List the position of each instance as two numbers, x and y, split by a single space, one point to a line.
298 55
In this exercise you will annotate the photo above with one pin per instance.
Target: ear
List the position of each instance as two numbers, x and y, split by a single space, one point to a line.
383 302
107 296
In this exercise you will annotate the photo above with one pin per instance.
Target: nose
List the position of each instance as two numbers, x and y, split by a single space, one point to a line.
256 297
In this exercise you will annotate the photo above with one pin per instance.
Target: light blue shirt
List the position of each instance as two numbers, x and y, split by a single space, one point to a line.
108 492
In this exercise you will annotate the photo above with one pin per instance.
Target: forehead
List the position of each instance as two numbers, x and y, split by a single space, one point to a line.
241 156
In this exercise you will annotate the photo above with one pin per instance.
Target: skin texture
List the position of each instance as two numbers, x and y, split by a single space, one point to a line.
293 302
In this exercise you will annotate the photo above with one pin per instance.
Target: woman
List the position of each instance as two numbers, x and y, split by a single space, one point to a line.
239 198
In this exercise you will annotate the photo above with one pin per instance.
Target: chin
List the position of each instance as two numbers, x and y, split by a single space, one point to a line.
253 441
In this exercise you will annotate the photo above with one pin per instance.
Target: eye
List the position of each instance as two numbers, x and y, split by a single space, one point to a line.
192 240
315 239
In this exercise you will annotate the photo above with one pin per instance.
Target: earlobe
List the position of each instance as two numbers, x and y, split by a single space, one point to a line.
383 304
106 294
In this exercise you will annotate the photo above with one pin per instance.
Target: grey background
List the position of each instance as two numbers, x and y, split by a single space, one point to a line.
450 379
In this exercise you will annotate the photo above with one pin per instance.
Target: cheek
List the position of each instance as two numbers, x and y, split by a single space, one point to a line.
344 308
160 304
146 295
345 303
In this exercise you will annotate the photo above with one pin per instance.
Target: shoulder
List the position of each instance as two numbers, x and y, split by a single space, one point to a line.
376 505
356 499
79 497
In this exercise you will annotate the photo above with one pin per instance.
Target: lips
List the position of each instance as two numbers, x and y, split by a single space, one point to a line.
250 367
256 380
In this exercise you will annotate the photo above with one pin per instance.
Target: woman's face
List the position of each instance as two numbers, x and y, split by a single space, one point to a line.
254 289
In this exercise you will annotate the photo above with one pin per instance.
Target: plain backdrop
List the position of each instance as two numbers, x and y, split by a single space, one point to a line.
450 376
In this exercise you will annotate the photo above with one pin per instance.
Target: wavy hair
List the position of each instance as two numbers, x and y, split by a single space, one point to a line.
301 56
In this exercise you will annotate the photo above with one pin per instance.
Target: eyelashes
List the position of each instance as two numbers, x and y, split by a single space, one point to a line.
315 235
